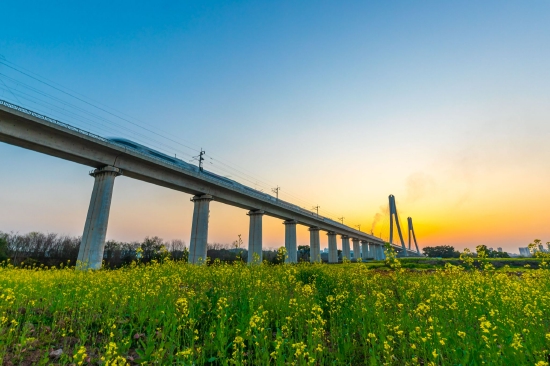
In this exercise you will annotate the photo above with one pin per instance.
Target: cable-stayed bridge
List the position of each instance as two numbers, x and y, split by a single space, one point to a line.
113 157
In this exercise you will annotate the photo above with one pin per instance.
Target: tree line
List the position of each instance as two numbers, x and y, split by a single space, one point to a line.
448 251
50 249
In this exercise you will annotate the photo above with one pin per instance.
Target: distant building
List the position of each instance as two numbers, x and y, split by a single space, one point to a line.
499 250
525 252
491 249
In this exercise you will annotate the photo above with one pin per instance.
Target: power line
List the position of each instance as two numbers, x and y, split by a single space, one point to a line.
92 105
241 174
219 164
229 165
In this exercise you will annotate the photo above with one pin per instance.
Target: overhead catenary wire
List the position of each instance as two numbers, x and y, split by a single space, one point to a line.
254 179
85 120
109 126
94 106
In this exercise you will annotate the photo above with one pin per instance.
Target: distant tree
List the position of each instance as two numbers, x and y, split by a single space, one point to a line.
237 244
497 254
536 248
484 252
303 252
441 251
177 249
151 248
3 249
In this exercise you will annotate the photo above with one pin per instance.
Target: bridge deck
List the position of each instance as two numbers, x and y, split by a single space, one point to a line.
30 130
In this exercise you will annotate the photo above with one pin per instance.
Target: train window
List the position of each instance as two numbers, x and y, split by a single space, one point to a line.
126 143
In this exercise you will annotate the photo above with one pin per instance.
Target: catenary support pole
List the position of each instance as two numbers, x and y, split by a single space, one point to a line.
314 245
332 247
290 241
199 229
255 237
90 253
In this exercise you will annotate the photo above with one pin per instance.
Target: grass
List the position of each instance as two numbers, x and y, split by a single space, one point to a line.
504 264
174 313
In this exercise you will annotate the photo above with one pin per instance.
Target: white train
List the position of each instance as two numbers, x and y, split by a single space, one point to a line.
182 164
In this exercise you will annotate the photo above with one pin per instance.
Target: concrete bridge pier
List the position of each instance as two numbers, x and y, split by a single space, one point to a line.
332 247
290 241
90 253
381 255
356 250
375 250
345 248
314 245
374 247
255 237
365 250
378 249
199 229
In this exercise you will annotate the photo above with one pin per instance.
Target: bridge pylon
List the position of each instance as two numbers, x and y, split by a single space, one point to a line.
393 212
412 235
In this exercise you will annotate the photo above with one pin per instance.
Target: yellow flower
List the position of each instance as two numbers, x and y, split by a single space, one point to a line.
516 342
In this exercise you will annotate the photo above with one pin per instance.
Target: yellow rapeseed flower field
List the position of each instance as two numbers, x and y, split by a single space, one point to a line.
172 313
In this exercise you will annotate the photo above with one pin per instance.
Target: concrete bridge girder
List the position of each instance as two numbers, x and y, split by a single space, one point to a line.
55 139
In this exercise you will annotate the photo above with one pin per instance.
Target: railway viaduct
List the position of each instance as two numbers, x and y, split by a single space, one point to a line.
27 129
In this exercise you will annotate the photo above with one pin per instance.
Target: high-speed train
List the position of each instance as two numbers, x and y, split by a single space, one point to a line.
182 164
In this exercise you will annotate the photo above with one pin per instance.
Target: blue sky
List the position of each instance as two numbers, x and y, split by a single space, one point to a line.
444 104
